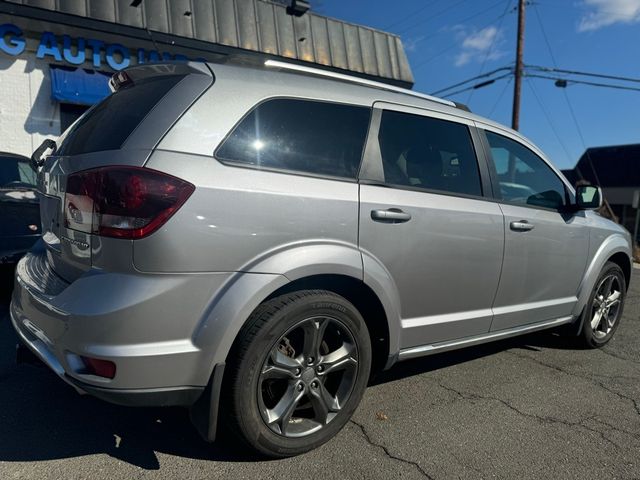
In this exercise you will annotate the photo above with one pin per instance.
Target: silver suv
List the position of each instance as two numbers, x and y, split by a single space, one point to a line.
259 241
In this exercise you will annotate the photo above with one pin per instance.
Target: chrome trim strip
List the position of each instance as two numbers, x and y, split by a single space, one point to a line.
423 350
353 79
521 307
446 318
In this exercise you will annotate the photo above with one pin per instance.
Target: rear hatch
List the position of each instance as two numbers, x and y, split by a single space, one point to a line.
116 135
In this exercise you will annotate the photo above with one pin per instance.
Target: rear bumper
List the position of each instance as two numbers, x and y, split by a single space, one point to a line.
145 397
142 323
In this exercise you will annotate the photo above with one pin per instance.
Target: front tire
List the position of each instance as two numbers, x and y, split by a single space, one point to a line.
297 372
603 312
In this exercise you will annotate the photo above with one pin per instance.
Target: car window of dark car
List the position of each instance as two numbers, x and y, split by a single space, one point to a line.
15 172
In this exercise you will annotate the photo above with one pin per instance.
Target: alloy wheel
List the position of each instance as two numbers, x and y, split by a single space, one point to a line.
606 306
307 376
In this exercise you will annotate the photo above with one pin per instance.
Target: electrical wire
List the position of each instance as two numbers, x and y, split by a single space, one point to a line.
463 20
584 82
571 6
583 74
451 47
475 87
493 41
504 89
573 116
435 15
484 75
548 116
410 15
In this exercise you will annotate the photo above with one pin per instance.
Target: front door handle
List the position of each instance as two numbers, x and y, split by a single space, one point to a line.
521 226
390 215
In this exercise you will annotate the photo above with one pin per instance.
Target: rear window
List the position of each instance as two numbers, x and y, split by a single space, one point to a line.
108 124
304 136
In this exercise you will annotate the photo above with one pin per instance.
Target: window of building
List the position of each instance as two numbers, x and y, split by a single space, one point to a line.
428 153
301 136
523 176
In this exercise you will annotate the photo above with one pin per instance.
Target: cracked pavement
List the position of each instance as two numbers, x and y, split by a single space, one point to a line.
531 407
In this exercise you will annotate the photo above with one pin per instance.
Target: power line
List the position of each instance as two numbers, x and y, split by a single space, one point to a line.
504 89
451 47
493 41
546 39
584 82
584 74
567 7
575 119
479 85
411 15
463 20
484 75
435 15
548 116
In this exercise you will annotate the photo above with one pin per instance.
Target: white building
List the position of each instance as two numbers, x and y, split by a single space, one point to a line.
56 55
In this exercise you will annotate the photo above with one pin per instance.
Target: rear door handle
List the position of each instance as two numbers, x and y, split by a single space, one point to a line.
521 226
390 215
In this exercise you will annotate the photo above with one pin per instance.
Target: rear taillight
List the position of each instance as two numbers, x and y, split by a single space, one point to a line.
122 202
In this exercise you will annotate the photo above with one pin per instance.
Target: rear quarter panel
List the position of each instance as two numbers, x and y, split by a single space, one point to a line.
238 218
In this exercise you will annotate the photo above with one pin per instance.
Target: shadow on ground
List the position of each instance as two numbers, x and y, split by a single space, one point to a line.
41 418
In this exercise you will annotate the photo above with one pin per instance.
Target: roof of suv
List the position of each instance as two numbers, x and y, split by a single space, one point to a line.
332 85
244 83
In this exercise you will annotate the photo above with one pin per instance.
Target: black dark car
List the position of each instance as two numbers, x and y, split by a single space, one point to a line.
19 207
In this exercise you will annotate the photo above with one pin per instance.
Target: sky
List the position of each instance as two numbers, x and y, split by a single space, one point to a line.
448 41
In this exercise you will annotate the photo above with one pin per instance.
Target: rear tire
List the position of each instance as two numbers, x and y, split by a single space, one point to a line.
297 372
603 312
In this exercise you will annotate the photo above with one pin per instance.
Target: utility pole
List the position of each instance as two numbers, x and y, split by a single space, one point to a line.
515 117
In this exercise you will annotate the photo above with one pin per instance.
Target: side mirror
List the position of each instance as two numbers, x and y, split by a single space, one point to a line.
589 197
36 159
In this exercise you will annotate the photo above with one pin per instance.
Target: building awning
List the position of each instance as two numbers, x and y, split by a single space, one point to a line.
77 85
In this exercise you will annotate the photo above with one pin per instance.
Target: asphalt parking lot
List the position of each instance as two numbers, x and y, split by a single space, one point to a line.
526 408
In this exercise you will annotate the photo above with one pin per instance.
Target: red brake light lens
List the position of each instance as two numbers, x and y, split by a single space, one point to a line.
122 202
100 368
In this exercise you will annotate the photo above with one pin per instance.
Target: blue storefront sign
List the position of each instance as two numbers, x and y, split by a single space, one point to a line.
78 50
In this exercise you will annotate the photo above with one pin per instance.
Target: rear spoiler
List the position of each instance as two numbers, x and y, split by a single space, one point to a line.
129 76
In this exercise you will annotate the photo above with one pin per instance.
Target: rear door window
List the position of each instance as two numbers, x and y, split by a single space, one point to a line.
306 136
428 153
107 125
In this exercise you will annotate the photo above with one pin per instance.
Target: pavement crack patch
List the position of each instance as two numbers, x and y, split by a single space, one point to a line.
387 452
619 357
591 379
539 418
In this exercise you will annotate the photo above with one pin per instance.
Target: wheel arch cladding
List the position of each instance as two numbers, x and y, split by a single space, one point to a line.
616 249
624 262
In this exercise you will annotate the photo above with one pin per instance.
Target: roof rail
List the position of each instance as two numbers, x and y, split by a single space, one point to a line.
353 79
